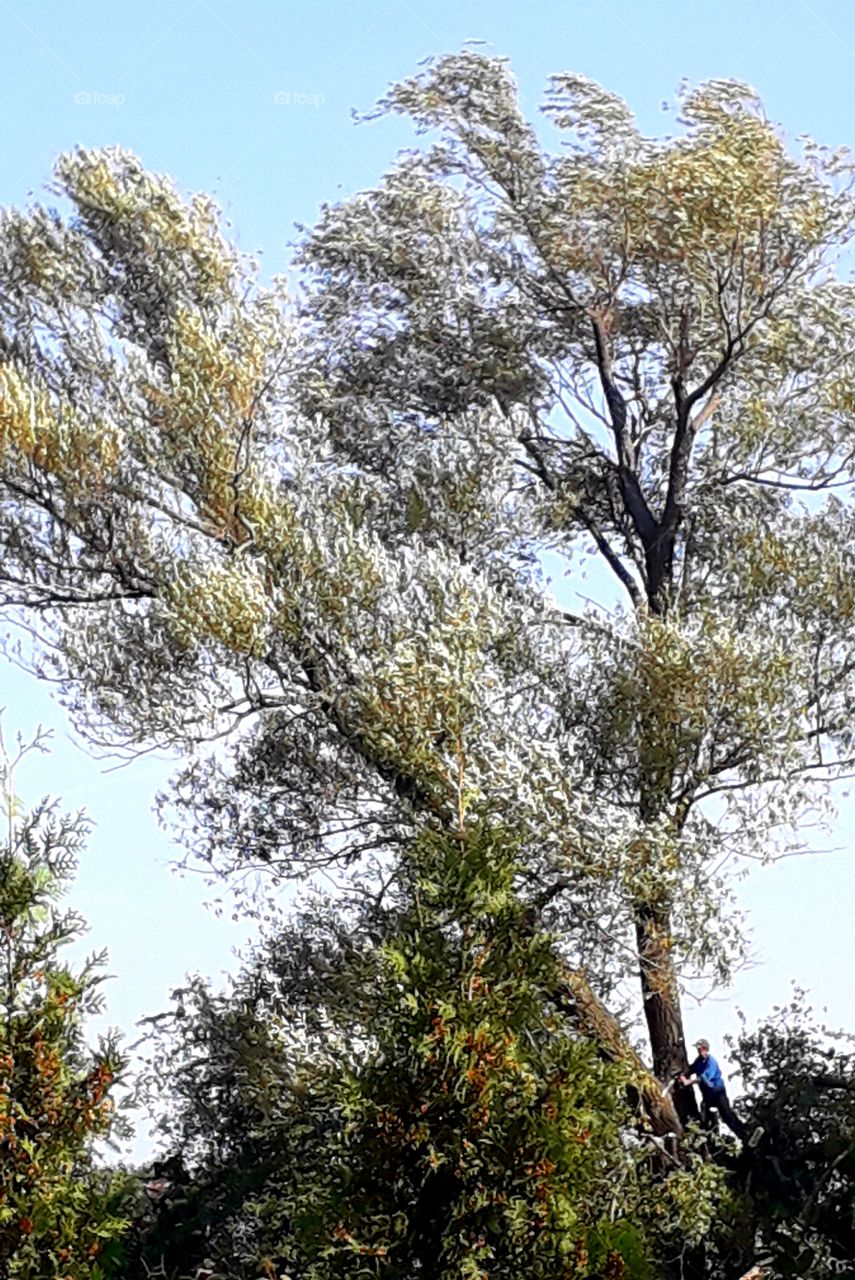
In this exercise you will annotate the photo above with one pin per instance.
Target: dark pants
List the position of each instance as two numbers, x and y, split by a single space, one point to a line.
716 1099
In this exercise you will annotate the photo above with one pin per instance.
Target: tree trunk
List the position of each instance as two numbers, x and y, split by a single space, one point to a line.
661 997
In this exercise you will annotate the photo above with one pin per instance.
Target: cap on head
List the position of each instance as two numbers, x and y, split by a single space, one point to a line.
702 1044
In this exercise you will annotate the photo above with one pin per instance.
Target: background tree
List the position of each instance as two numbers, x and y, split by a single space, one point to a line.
793 1206
60 1217
326 535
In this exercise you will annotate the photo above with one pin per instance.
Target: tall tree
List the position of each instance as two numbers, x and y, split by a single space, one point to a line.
321 534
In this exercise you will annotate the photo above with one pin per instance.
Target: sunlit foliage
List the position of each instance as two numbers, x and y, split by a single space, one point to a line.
317 527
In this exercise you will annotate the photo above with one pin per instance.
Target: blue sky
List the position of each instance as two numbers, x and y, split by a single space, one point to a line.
252 100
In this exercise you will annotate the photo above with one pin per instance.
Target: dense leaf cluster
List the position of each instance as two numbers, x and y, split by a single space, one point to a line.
400 1093
797 1205
60 1218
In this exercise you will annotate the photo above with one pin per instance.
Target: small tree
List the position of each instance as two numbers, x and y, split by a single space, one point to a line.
394 1091
58 1216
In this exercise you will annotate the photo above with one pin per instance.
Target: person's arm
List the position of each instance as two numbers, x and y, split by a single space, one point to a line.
694 1074
709 1070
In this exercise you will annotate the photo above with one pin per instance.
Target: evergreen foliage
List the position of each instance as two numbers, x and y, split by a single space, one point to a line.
60 1217
399 1093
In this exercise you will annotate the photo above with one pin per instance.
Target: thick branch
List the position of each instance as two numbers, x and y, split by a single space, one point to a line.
656 559
603 545
597 1024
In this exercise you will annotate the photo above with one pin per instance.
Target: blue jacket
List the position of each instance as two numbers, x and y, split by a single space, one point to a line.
709 1074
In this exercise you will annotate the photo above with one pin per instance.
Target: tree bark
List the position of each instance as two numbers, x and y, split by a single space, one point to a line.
596 1023
661 998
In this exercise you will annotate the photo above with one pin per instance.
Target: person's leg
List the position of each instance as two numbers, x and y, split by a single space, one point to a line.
729 1116
707 1118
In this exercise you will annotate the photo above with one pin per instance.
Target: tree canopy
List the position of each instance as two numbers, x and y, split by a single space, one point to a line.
314 528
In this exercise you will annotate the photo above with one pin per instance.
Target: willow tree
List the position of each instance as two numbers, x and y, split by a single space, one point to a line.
319 529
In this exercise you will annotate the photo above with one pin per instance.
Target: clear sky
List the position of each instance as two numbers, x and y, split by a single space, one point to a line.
252 100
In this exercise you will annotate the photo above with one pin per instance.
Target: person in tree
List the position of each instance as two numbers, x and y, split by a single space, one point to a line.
706 1073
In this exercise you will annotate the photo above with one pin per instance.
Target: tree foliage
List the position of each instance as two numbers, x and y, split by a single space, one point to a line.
316 528
399 1092
794 1204
60 1218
